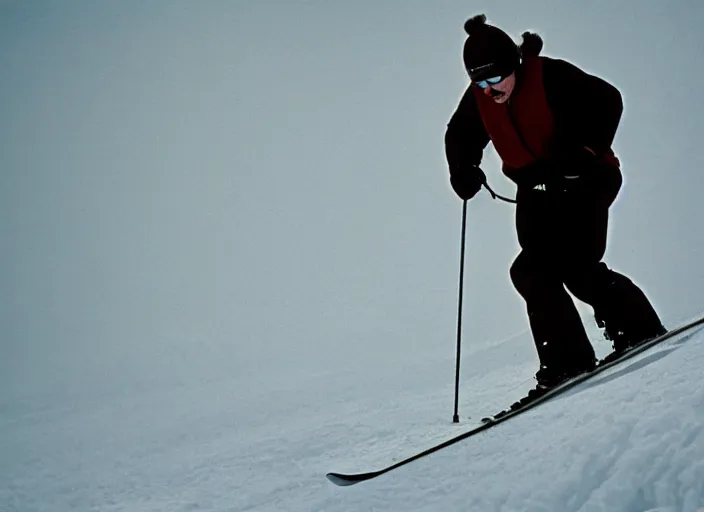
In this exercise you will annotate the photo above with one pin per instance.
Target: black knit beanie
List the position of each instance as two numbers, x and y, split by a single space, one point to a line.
488 51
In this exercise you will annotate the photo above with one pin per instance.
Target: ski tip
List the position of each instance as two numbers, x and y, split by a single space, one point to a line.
341 479
338 479
344 480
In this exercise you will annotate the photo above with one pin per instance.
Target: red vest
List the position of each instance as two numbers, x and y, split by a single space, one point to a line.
520 129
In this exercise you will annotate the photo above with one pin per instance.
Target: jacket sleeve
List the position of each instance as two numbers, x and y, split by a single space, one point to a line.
465 137
587 109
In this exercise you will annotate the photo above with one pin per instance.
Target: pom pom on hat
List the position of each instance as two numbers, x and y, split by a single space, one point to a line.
472 23
532 44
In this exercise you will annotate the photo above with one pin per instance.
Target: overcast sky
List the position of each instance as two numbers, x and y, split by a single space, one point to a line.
264 181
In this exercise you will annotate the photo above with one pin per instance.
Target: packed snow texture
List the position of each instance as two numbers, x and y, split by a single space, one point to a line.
629 440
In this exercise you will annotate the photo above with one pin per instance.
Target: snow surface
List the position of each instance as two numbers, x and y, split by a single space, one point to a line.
630 440
229 257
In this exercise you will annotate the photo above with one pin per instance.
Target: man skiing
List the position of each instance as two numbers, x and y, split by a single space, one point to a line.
552 125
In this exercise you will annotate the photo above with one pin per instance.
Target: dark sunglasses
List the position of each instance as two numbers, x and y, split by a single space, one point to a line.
483 84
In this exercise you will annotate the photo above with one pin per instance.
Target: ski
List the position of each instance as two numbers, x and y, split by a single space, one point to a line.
346 479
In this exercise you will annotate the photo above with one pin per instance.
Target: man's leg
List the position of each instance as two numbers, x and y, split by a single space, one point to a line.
619 305
559 335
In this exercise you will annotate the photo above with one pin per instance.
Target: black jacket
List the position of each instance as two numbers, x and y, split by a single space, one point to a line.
586 111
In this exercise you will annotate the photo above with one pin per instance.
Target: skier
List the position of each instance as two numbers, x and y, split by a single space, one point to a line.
552 125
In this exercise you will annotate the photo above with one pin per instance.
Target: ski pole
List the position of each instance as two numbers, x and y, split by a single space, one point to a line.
456 417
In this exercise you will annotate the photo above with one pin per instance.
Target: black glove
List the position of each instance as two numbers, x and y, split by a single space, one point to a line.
467 182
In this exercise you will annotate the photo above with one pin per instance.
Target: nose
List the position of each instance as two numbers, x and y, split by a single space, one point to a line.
487 91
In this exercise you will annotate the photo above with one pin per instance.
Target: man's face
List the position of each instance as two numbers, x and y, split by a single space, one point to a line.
500 92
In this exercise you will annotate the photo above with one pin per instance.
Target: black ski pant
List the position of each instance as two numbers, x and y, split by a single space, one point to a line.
562 231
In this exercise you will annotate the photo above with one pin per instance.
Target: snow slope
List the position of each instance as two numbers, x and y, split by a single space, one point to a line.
629 440
229 257
632 440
